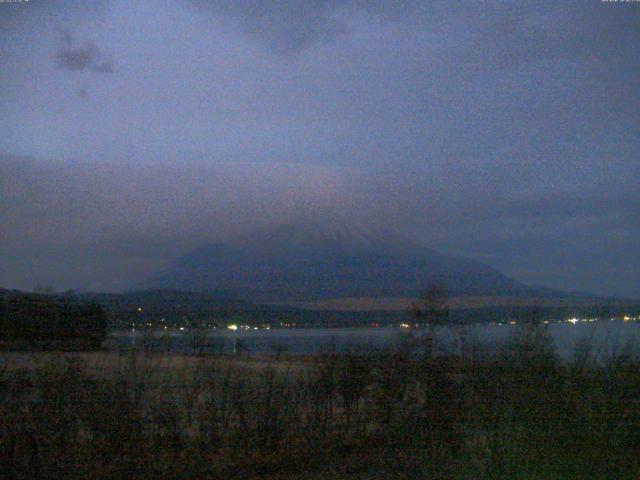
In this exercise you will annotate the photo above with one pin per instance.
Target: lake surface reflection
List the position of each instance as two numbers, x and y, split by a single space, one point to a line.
605 337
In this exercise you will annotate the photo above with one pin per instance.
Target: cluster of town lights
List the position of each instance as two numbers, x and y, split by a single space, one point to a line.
572 321
233 327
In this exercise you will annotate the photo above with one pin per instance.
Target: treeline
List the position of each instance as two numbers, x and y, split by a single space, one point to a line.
122 316
469 316
29 321
172 308
213 309
154 309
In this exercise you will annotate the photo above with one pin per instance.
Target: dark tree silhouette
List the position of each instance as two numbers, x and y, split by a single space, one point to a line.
43 321
431 308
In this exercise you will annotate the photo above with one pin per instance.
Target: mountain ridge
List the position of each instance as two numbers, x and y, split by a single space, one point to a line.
310 260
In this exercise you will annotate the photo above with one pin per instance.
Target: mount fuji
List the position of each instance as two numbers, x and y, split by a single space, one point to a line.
311 260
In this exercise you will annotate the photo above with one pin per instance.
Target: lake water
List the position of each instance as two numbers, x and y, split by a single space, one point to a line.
606 337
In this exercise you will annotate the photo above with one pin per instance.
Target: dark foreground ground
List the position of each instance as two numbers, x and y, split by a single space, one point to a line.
401 413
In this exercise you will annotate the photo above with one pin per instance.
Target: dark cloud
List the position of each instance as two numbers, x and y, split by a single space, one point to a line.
506 35
78 55
283 26
105 226
291 26
503 131
490 35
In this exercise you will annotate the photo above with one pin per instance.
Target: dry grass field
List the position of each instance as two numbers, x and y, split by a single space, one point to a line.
396 413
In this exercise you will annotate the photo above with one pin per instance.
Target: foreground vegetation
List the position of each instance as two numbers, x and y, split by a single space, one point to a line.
48 322
400 413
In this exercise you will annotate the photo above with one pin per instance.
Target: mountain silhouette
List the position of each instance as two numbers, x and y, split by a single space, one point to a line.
333 258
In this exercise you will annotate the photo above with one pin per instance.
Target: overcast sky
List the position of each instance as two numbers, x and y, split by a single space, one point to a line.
133 131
